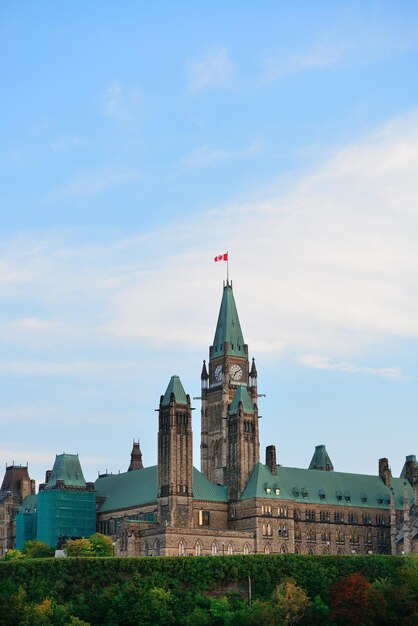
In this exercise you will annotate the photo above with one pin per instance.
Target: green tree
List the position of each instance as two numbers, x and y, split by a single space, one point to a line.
101 545
37 549
78 547
11 555
95 545
291 601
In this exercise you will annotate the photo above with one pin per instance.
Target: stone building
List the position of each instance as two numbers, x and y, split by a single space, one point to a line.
16 486
237 504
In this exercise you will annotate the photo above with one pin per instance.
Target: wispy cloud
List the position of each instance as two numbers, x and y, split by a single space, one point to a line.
121 103
349 41
213 70
331 262
325 363
46 458
318 57
206 156
64 144
95 183
41 368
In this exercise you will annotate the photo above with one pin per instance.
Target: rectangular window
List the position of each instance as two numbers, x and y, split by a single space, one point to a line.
204 518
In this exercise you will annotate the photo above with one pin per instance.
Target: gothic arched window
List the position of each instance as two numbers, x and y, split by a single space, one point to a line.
182 548
157 547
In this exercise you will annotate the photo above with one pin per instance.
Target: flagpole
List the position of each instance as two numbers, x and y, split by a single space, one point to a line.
227 268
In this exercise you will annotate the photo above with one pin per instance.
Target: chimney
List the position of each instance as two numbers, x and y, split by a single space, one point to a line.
271 459
384 471
48 475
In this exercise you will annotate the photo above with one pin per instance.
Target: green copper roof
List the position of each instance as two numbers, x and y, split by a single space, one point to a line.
124 491
28 505
175 386
321 460
130 489
308 486
67 468
228 328
241 395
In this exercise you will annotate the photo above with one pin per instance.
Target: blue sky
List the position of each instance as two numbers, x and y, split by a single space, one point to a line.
139 140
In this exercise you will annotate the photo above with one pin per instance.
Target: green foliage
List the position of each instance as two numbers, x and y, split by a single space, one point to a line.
12 555
291 601
96 545
101 545
37 549
204 591
78 547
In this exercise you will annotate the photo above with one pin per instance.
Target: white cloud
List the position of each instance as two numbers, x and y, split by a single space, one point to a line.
351 40
326 267
121 103
94 183
41 368
63 144
318 57
214 70
325 363
206 156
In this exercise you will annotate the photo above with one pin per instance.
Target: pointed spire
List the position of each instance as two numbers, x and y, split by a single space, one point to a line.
321 460
204 375
228 335
136 457
253 372
241 395
175 388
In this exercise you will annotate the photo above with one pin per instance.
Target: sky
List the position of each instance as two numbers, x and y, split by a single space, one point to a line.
140 140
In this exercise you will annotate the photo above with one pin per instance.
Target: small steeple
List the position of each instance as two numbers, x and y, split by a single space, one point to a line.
204 377
176 389
136 457
321 460
253 374
228 335
241 396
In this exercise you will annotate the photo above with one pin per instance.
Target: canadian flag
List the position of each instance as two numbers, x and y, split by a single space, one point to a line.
221 257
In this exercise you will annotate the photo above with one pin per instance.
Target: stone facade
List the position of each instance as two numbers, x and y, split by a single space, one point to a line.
16 486
237 505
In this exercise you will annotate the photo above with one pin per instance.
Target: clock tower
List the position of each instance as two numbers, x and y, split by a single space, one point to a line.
228 369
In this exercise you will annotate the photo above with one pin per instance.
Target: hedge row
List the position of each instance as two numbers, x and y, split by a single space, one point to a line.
64 579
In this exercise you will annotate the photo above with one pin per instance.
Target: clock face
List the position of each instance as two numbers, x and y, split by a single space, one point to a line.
218 373
235 372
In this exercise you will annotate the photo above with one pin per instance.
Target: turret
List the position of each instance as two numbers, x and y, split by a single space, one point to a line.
204 377
136 457
406 521
175 456
243 441
321 460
